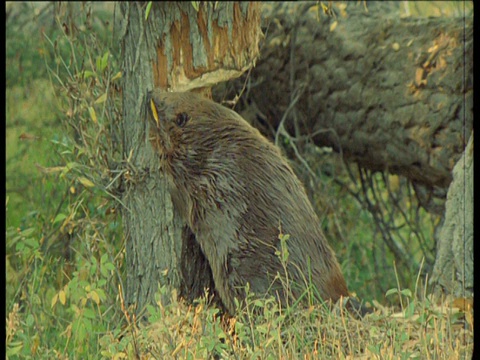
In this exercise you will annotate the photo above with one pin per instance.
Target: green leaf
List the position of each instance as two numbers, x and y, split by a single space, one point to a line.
102 62
93 114
58 218
118 75
391 291
93 295
105 60
89 314
147 10
109 266
104 258
62 296
406 292
93 269
14 348
151 310
101 99
101 294
29 320
54 300
68 167
85 182
259 303
104 271
28 232
196 5
86 74
32 243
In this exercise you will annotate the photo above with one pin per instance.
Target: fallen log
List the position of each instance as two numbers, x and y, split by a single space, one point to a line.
391 94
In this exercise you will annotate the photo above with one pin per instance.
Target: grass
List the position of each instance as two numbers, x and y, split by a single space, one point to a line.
178 331
31 127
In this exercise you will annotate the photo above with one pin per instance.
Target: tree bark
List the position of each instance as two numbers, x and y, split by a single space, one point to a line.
453 269
150 228
390 94
176 47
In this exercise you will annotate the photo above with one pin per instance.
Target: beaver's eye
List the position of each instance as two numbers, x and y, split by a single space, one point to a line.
182 119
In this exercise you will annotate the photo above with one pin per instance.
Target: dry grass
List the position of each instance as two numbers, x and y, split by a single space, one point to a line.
423 330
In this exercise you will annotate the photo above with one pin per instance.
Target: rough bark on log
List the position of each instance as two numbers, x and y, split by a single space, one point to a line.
391 94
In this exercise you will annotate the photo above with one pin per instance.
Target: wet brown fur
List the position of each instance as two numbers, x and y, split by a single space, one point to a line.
235 190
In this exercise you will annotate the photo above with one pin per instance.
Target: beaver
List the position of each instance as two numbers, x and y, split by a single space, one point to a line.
238 195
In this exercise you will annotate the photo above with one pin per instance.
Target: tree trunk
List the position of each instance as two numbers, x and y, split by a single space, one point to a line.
151 230
453 269
177 47
391 94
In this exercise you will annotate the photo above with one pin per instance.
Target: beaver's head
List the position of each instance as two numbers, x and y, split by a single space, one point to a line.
196 136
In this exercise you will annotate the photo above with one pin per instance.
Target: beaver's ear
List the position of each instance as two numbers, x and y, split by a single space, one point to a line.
182 119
